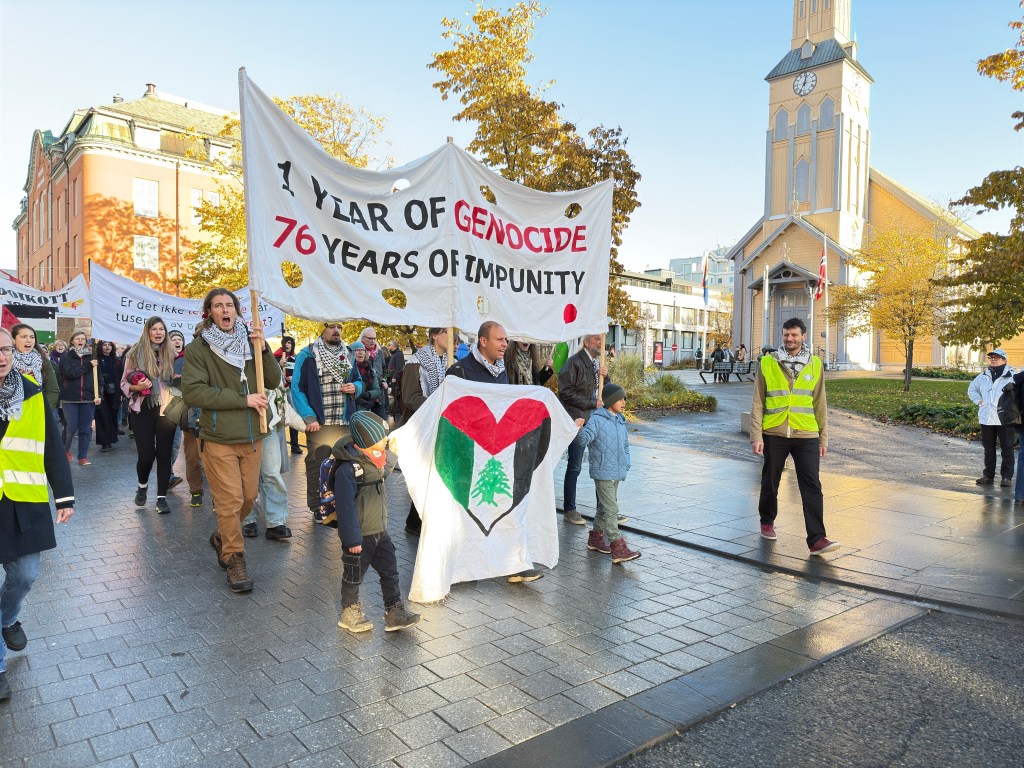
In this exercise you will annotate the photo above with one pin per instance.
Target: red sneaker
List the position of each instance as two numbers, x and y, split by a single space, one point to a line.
768 532
85 462
823 545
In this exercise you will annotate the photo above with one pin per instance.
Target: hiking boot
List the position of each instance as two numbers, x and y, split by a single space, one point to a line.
523 576
354 620
622 553
140 497
397 617
597 543
197 499
621 519
238 576
573 517
768 532
162 506
1006 482
250 530
823 545
5 687
279 532
984 480
14 637
215 542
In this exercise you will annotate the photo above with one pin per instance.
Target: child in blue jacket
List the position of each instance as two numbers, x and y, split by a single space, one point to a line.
605 433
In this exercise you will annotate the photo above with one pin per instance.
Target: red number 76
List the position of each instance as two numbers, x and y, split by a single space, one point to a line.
304 242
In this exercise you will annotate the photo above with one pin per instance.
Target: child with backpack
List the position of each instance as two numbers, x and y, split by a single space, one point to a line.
356 503
605 433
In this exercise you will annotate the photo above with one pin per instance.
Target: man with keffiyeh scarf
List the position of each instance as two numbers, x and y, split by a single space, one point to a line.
220 378
788 418
31 457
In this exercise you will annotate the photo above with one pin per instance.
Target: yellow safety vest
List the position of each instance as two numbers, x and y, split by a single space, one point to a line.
793 401
22 470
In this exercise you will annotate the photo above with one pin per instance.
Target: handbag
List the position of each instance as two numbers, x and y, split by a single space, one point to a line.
1008 407
175 409
291 416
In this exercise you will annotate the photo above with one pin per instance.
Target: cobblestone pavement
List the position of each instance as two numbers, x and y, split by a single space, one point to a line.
139 655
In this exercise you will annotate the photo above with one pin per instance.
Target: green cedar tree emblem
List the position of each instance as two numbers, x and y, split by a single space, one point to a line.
491 482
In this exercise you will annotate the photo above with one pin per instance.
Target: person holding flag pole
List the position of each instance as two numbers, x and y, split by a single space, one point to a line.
823 290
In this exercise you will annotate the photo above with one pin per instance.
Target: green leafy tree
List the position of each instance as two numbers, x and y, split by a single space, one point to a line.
987 305
521 134
491 482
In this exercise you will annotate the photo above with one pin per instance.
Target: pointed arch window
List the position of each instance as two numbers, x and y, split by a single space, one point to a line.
801 178
827 114
781 125
803 120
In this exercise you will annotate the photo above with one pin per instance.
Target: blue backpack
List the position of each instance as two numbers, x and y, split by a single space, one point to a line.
327 513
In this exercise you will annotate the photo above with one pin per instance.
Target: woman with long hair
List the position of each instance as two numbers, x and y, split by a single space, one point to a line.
148 369
78 398
30 360
525 364
110 394
286 357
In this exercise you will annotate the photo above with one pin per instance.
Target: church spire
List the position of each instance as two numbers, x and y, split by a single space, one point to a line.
818 20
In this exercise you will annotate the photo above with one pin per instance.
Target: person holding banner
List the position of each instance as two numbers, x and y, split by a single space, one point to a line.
319 386
286 357
148 370
525 365
78 397
220 378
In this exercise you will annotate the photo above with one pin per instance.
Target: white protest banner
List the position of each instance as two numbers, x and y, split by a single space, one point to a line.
70 301
536 262
121 307
479 462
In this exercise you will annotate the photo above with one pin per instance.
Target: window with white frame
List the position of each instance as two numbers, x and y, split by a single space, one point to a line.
214 198
147 253
147 198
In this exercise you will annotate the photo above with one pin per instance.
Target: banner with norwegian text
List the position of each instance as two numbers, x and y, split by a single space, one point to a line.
70 301
460 242
121 307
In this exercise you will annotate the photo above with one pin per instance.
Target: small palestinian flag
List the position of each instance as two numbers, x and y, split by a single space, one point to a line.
487 463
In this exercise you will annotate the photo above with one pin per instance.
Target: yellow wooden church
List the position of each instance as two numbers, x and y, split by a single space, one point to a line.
820 193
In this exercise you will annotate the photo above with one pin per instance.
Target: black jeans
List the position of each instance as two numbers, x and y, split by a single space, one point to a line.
378 552
807 460
154 439
1004 435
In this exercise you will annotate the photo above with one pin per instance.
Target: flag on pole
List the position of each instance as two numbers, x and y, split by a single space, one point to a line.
822 275
704 280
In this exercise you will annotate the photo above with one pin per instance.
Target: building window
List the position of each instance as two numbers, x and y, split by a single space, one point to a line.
827 114
197 201
58 212
214 198
814 6
781 125
74 196
49 271
147 138
803 120
147 253
75 264
801 185
801 9
827 4
147 198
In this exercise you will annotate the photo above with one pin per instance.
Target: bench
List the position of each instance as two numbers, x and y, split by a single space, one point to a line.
725 369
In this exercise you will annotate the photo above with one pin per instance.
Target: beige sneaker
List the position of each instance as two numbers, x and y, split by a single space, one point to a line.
573 517
354 620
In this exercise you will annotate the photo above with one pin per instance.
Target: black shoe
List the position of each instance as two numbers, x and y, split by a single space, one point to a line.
5 687
412 530
140 497
278 532
984 480
296 450
162 506
105 448
197 499
14 637
175 482
1006 482
250 530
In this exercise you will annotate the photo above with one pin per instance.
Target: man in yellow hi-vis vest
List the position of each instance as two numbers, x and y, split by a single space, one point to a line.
31 457
787 418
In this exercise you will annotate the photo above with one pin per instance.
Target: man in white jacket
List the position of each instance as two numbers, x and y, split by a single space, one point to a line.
984 392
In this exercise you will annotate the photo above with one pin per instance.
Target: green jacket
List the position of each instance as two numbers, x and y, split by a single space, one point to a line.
209 383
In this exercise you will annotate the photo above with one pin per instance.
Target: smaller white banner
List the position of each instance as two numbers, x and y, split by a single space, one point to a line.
122 306
70 301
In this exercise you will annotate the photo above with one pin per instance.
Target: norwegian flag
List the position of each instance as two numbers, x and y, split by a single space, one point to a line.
822 276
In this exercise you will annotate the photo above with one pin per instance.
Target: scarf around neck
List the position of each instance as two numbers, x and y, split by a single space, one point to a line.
12 395
233 348
30 362
494 369
523 366
332 360
432 367
792 363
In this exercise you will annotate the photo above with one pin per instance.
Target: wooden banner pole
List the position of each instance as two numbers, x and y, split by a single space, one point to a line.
257 324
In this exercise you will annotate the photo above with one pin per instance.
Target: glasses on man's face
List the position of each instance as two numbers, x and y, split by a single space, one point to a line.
369 338
7 350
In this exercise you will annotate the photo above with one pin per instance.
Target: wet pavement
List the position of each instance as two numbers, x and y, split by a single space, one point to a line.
139 655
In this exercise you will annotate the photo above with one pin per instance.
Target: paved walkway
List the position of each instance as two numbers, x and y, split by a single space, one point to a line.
140 656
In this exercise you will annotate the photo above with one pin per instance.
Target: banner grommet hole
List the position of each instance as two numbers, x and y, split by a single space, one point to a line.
400 185
292 273
573 210
394 297
488 194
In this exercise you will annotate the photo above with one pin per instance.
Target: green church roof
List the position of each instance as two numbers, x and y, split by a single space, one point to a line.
825 52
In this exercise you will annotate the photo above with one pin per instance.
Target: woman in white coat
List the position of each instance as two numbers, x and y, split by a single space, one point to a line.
984 392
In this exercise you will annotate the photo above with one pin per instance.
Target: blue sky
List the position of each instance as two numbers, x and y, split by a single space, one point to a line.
684 79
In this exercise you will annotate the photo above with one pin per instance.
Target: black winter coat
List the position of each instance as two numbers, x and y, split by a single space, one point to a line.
76 378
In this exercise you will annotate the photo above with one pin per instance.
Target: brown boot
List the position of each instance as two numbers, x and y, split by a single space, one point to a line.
620 552
238 577
597 543
216 544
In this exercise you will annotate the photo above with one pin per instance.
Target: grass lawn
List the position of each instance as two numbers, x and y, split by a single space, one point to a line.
939 405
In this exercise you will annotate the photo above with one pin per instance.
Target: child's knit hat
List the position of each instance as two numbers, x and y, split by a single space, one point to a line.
611 394
367 428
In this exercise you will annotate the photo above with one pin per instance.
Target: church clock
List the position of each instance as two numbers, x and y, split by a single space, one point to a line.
804 83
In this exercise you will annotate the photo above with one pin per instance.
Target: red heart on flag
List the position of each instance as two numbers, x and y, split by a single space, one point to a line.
471 416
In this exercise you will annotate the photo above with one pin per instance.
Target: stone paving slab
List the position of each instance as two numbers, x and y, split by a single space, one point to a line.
139 655
936 546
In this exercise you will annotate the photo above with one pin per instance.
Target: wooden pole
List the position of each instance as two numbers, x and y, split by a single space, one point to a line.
95 374
257 354
451 337
600 378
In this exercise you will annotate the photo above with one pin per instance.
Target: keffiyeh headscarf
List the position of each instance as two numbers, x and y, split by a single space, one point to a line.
233 348
432 368
332 360
29 363
12 395
793 363
523 372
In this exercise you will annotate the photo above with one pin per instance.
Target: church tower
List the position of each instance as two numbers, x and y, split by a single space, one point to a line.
818 140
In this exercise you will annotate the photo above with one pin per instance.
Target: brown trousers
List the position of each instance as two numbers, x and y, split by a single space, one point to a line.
193 462
233 472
